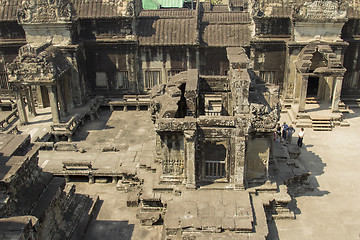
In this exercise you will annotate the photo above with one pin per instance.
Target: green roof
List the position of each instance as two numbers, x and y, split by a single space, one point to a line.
156 4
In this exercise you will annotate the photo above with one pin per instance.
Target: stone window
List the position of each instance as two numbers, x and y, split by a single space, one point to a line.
173 163
173 72
101 80
213 104
215 159
152 78
268 76
4 84
122 79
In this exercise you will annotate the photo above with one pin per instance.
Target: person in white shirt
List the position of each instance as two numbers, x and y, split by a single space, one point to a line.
300 137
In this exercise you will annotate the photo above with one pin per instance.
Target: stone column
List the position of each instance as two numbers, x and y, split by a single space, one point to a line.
303 91
336 94
39 97
188 58
20 103
190 158
30 101
239 173
54 103
197 58
62 100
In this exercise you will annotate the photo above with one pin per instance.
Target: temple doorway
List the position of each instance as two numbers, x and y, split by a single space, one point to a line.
313 86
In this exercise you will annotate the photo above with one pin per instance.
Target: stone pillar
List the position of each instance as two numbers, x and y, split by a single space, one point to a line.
355 72
190 158
39 97
62 100
239 173
188 58
54 103
30 101
336 94
20 103
197 58
303 91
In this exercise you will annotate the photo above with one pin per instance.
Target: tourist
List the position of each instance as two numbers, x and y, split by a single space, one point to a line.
285 128
289 134
300 137
276 137
278 129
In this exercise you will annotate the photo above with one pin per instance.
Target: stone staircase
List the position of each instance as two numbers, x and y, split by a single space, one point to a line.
321 124
351 102
311 100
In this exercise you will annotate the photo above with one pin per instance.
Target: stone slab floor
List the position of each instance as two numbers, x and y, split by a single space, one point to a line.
115 220
332 210
130 131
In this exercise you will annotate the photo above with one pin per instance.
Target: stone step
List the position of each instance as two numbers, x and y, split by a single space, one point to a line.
292 115
311 100
322 129
302 124
89 211
47 196
77 206
321 122
319 125
344 124
321 119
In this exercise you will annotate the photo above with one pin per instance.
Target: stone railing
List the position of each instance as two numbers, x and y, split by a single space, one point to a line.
137 101
66 129
69 128
9 119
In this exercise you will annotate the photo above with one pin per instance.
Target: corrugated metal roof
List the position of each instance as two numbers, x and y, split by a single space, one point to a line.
171 3
156 4
166 31
225 35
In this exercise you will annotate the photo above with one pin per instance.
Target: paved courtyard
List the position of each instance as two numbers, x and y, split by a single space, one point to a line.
331 211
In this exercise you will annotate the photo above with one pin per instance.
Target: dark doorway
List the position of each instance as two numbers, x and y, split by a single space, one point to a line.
313 86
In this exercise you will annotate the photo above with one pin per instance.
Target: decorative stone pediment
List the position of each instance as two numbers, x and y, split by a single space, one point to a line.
321 10
37 65
44 11
333 63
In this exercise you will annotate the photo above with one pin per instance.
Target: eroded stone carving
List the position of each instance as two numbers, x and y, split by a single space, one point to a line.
40 11
334 10
42 63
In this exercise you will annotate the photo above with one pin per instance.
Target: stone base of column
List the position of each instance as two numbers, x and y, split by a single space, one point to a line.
239 187
190 186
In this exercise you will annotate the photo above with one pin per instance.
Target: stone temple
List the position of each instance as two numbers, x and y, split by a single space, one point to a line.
171 104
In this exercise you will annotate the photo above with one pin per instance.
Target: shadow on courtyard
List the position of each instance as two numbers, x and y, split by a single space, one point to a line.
104 229
101 229
97 125
315 166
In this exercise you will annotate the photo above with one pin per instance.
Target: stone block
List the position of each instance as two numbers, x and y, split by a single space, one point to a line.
228 223
148 218
132 199
243 225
